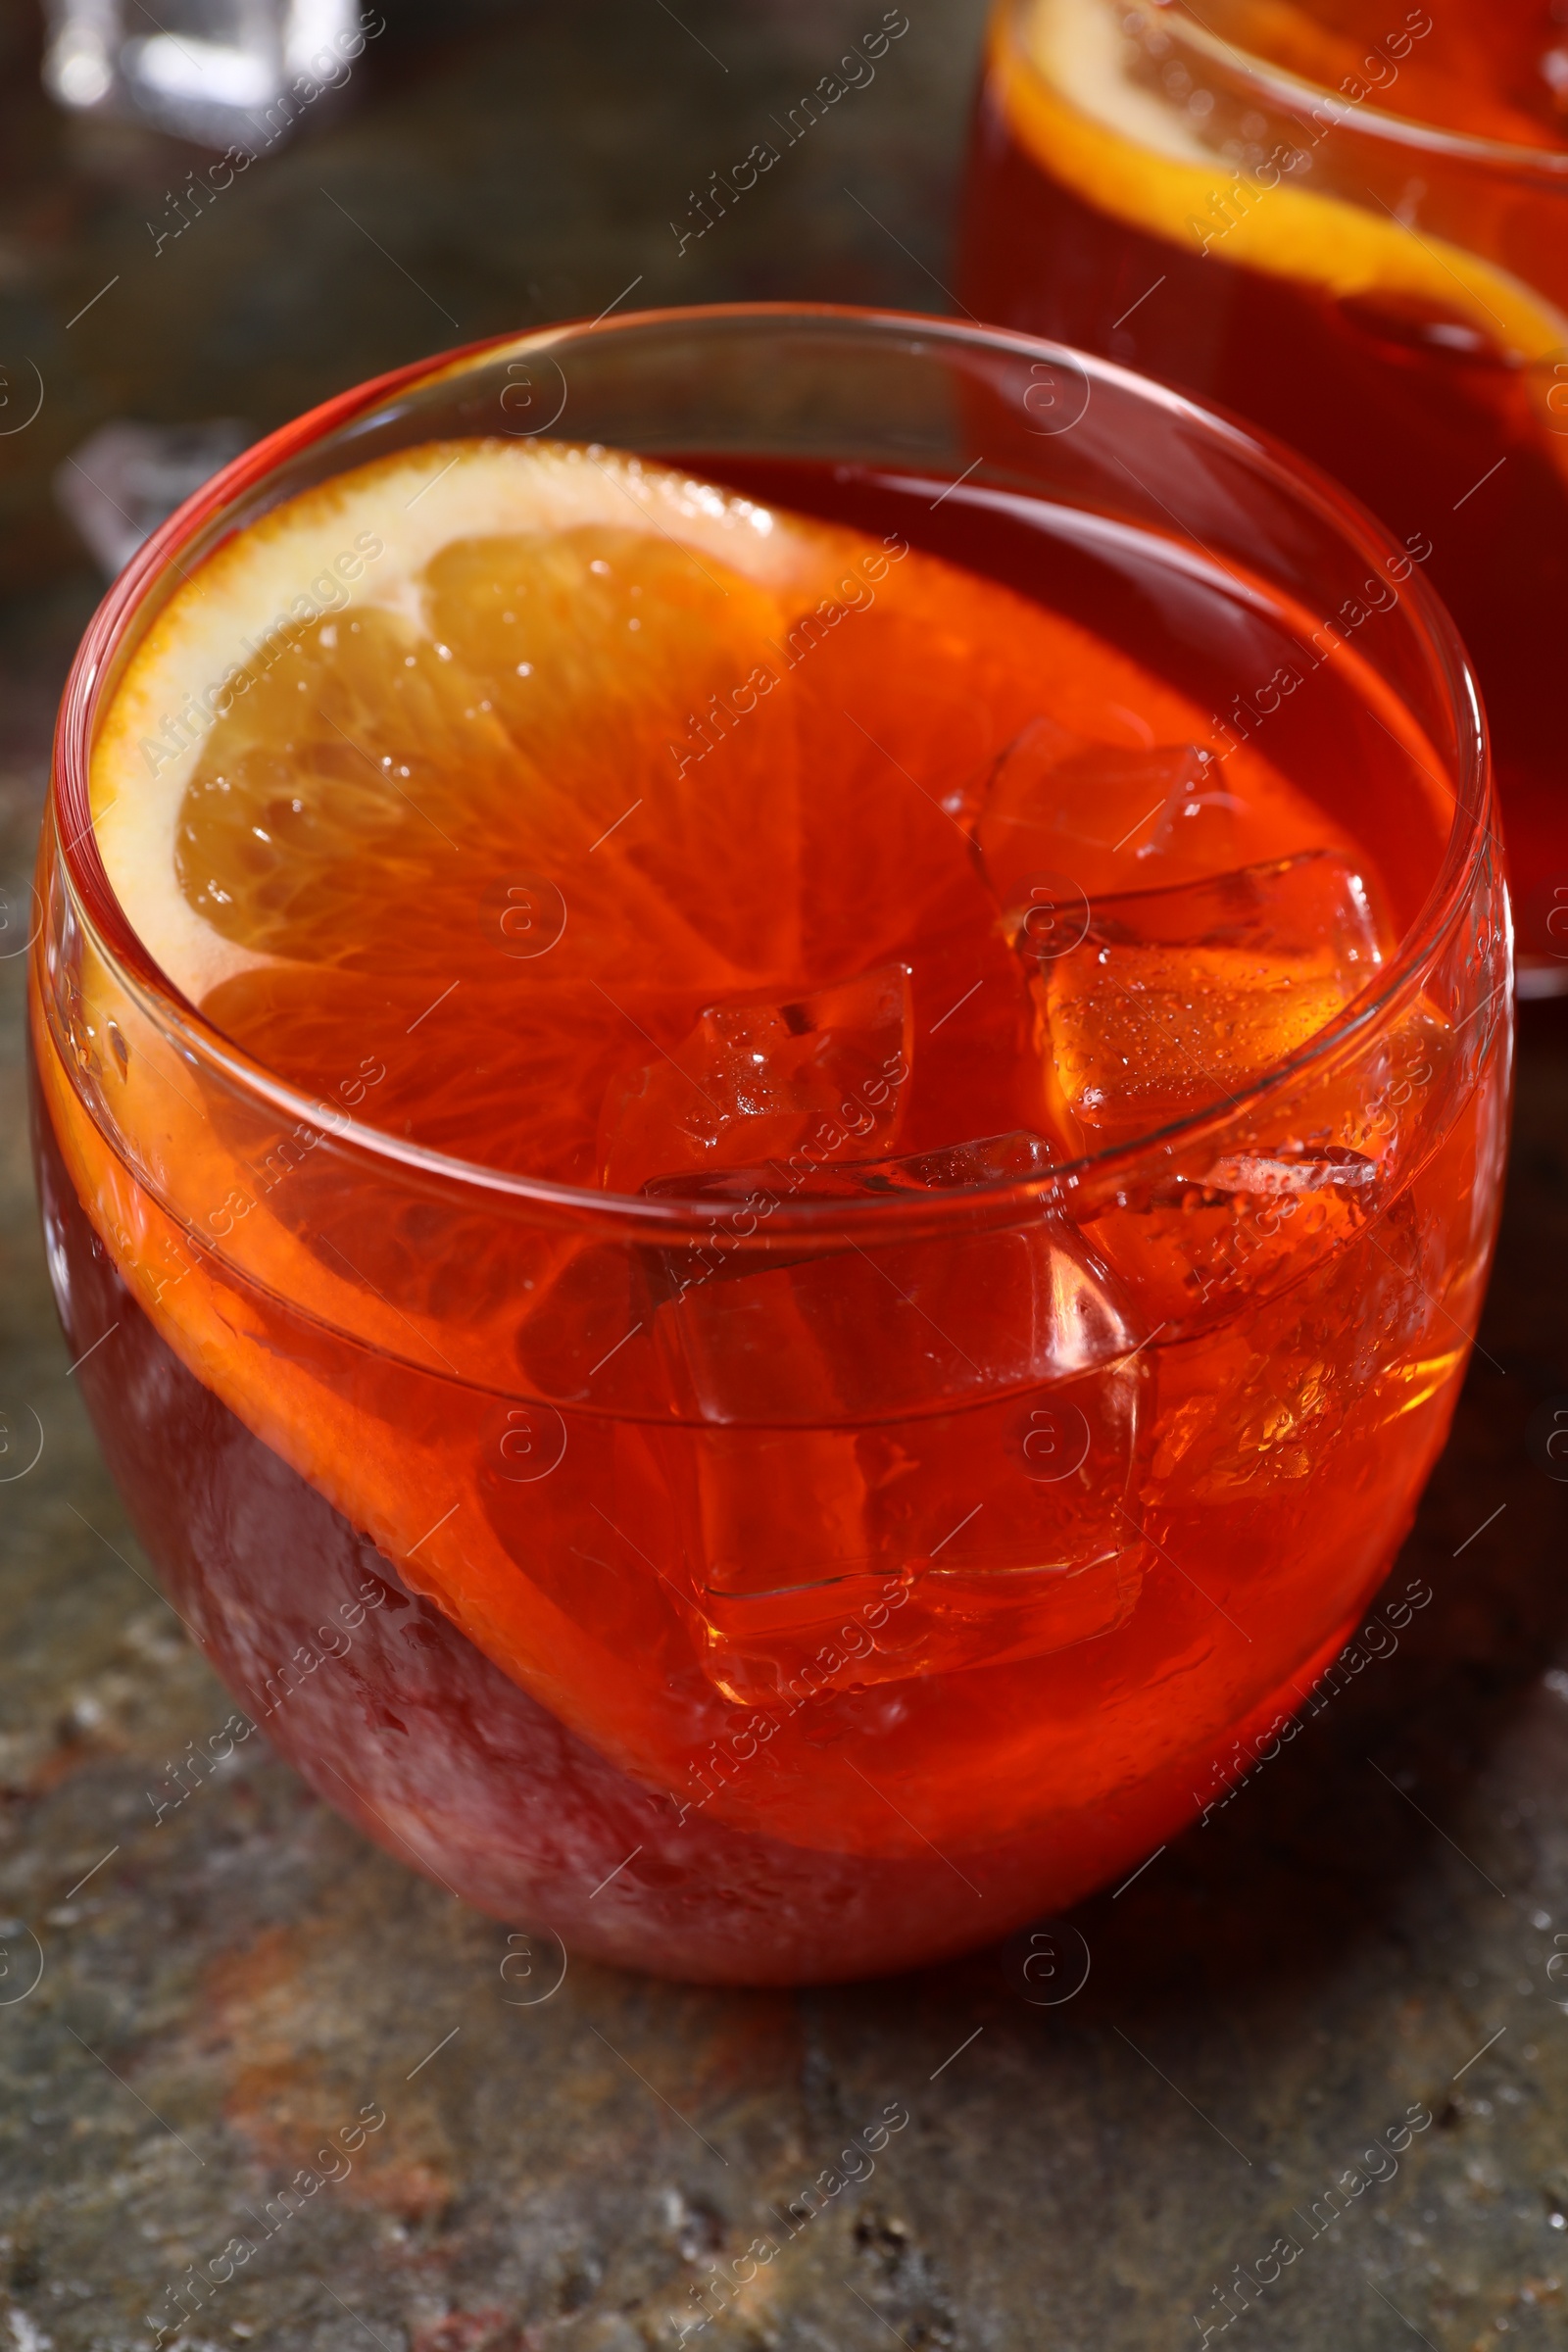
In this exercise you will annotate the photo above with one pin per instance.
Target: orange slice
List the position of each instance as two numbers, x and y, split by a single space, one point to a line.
309 676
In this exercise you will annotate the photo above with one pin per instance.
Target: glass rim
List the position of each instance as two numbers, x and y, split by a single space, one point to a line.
1299 93
115 937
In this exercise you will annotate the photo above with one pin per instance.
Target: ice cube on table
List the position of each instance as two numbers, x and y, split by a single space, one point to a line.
764 1076
1102 816
1165 1002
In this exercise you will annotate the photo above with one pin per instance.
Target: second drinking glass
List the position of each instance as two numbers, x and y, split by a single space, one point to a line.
1350 224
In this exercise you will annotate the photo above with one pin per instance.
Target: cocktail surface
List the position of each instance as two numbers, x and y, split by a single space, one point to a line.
574 816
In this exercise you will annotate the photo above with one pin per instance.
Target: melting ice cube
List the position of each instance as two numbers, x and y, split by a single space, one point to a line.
1108 818
1167 1000
820 1075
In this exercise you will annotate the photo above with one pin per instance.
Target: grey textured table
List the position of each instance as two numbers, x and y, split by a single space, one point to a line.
1368 1928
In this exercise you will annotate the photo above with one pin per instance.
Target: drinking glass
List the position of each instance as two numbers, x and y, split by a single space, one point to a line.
1389 296
1133 1438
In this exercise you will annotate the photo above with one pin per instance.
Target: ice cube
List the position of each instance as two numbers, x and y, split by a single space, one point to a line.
793 1329
991 1159
1174 999
1108 818
1316 1374
771 1344
976 1063
1195 1248
831 1561
927 1439
766 1076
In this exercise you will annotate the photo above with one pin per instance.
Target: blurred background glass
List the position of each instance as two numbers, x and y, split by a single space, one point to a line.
209 69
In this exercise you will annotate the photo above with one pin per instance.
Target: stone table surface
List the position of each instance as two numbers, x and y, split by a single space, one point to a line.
188 2005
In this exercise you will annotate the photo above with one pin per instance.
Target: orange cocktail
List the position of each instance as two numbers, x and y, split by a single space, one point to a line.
774 1230
1348 221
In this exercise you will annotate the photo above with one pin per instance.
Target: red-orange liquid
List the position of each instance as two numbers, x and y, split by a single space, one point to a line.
1416 403
938 1741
